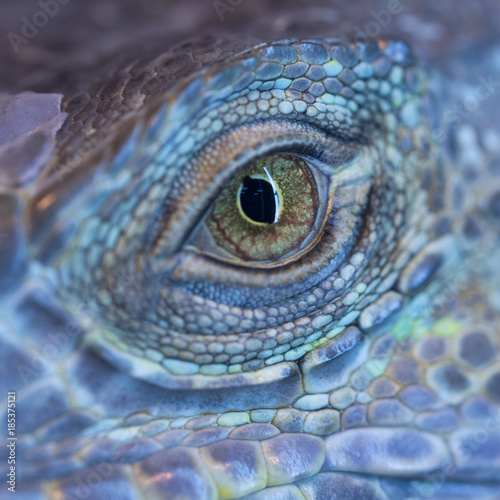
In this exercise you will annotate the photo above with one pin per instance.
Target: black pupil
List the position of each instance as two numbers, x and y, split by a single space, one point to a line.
257 200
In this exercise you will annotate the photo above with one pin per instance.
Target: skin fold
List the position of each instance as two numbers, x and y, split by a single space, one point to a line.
150 356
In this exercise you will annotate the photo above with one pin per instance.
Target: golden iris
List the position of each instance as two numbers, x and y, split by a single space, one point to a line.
267 211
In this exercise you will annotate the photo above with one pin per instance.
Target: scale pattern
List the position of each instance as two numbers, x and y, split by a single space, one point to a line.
373 369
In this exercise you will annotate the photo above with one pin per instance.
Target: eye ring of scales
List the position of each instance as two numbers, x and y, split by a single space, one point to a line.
363 362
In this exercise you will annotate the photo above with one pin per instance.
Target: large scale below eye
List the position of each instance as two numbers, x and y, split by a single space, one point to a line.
267 212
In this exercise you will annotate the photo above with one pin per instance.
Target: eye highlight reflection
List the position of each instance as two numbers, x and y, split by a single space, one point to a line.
267 212
259 199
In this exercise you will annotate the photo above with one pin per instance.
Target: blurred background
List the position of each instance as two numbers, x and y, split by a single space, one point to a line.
58 45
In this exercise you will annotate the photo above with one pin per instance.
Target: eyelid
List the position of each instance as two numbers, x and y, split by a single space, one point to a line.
218 162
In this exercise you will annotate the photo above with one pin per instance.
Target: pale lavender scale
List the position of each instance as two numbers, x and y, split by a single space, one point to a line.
445 420
349 486
206 436
418 397
291 457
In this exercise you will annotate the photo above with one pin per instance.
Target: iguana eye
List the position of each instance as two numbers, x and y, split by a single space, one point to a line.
270 212
257 220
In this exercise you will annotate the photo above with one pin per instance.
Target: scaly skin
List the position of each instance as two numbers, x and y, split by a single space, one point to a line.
367 368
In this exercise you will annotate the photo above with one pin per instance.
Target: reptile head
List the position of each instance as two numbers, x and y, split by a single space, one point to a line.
275 240
185 286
